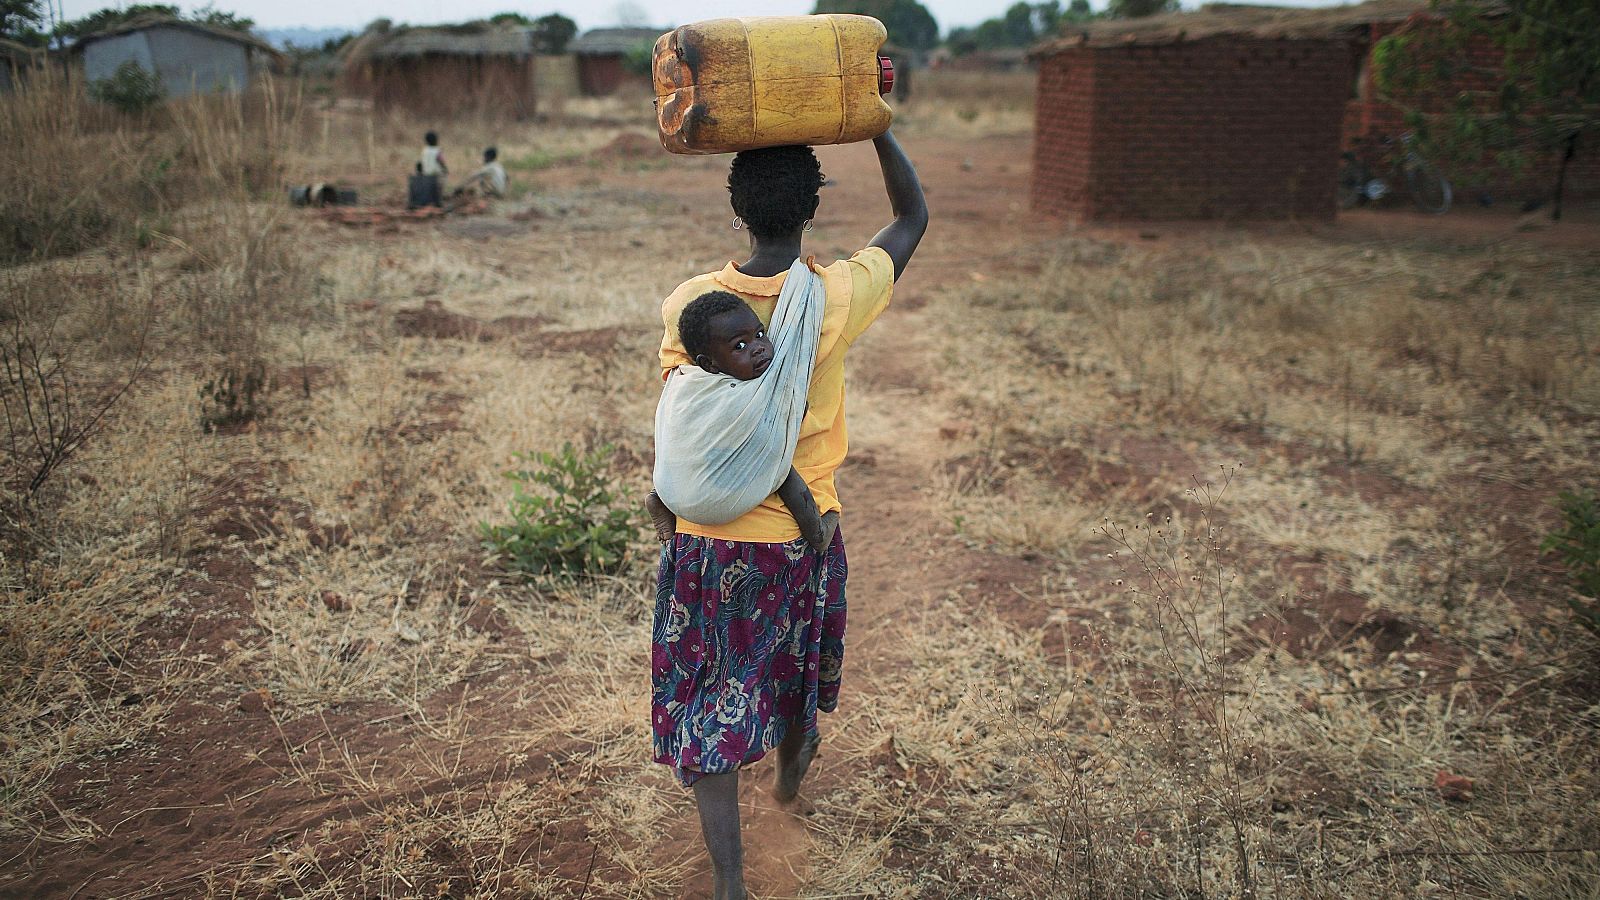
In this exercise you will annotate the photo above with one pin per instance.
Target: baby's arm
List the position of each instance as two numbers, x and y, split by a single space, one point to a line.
797 497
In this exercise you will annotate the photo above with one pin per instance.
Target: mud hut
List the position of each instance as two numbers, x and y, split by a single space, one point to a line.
602 58
444 71
188 57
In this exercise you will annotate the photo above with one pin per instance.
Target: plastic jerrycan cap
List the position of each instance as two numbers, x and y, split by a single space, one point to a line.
885 75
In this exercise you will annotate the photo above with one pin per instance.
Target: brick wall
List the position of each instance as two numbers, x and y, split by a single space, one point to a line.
1064 124
1221 128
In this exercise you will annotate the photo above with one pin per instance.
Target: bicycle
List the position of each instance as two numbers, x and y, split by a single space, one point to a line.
1427 187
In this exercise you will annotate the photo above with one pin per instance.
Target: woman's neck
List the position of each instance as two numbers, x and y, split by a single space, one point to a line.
771 255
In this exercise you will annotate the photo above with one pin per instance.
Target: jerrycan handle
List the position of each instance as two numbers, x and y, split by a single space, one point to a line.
885 75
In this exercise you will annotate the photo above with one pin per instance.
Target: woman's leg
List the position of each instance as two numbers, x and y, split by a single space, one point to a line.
717 796
795 753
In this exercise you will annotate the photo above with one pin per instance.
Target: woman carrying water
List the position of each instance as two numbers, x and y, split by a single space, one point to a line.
748 636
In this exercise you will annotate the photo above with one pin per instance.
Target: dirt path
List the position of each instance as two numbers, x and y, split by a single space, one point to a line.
213 793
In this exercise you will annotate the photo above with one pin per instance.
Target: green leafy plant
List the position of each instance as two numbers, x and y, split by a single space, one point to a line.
639 59
233 397
1578 545
565 516
130 89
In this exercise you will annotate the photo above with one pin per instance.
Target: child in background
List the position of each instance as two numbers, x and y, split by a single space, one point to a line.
724 337
432 162
489 180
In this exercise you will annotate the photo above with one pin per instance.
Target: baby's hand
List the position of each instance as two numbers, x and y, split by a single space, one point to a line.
830 526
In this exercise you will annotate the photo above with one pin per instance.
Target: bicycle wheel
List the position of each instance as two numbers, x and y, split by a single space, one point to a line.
1430 191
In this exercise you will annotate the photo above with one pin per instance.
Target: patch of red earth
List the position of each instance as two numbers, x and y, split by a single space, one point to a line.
586 342
630 146
432 320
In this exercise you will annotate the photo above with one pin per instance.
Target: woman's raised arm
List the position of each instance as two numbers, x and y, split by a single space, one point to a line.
899 238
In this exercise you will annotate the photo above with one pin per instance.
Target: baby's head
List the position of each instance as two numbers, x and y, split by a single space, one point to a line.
722 335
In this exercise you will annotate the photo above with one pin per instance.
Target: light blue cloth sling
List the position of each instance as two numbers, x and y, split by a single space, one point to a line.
724 445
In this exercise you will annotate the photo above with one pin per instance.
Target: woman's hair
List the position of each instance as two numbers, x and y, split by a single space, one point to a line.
774 190
431 139
694 324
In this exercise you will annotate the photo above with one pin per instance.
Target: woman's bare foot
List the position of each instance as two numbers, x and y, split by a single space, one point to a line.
795 753
666 523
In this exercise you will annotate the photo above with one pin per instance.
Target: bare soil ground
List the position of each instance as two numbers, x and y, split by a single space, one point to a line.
1325 453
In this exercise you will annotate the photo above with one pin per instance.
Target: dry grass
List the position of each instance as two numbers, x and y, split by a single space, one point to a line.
435 728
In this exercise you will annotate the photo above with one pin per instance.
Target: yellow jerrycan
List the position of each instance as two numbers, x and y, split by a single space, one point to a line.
725 85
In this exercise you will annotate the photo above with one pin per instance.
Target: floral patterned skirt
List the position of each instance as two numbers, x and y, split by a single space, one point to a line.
748 639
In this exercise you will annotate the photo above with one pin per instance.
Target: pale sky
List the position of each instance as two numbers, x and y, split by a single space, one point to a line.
355 13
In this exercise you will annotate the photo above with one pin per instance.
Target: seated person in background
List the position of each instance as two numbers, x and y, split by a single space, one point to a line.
432 162
489 180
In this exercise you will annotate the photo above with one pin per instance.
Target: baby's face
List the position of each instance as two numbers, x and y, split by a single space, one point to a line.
739 345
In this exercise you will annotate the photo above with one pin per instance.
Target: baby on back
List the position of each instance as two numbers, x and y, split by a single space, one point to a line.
723 336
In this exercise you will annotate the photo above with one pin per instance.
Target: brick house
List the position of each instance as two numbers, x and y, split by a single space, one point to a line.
1225 113
1229 112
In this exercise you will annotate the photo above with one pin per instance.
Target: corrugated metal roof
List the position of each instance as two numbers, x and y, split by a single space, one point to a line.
613 40
448 41
1232 19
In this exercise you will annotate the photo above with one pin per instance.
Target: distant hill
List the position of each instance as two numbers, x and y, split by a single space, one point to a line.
302 37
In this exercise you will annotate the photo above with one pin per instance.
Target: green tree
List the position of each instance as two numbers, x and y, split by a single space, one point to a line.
1542 98
111 17
510 18
216 18
553 32
1137 9
1022 25
909 22
20 21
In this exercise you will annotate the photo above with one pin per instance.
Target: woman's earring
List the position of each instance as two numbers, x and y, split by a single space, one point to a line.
738 224
808 225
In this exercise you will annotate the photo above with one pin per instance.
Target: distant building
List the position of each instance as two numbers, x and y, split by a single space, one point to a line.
601 54
445 70
187 57
1228 112
1368 118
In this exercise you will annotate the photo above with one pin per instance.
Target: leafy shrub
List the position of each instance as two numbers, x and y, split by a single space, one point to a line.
1578 545
234 396
639 59
130 89
565 517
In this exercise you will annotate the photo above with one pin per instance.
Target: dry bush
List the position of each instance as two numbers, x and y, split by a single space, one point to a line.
972 104
82 173
1173 750
63 368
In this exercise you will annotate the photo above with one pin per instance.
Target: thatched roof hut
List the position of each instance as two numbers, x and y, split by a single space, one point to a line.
444 70
601 53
